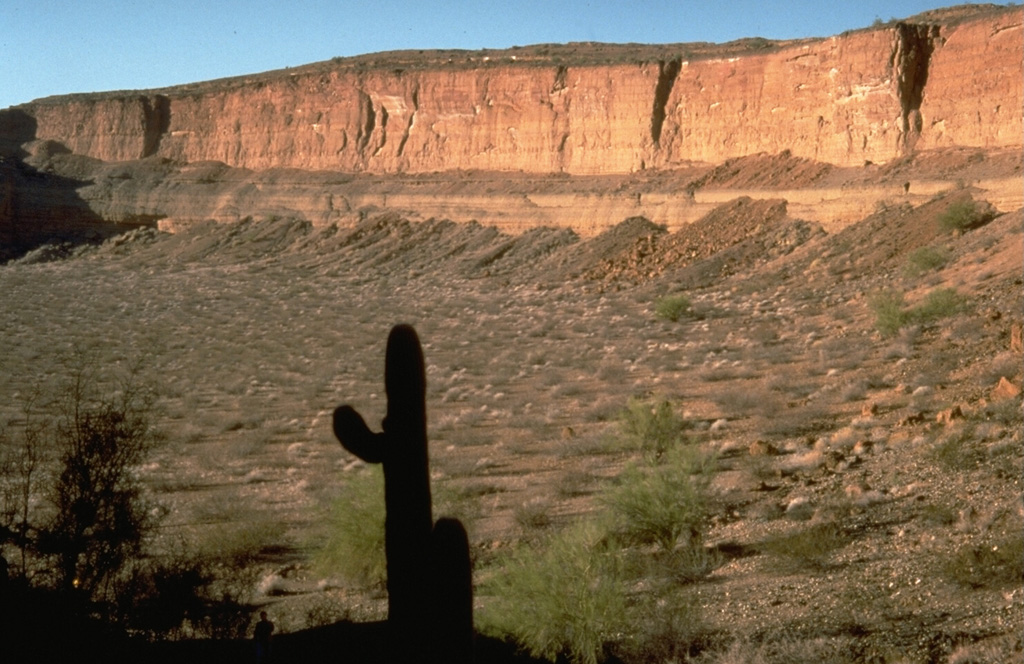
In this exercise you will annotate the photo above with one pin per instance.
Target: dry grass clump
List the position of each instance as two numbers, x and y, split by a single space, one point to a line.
995 563
808 548
799 421
749 399
959 450
785 650
533 515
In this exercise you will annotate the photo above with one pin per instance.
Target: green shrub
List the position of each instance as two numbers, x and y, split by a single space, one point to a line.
939 303
887 305
562 598
891 315
673 307
355 543
925 259
963 215
651 428
354 548
659 504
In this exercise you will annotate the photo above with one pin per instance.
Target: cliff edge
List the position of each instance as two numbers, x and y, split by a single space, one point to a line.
875 94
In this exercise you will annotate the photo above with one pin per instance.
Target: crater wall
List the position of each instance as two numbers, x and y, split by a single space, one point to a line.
869 95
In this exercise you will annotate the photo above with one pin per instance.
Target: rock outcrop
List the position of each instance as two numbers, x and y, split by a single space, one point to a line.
869 95
578 136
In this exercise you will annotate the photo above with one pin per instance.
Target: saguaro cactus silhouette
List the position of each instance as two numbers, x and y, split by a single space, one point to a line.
430 603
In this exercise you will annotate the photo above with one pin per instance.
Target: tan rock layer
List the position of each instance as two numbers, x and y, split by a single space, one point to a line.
869 95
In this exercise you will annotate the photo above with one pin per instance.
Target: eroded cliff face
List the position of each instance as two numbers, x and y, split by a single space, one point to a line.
870 95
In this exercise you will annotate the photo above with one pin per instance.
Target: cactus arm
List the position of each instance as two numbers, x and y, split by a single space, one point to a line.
356 437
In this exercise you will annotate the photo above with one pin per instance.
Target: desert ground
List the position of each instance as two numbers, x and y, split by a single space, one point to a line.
864 503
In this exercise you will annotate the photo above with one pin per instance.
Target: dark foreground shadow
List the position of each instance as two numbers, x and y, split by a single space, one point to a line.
365 643
343 641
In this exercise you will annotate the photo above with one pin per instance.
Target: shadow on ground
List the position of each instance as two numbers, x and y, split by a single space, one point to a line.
343 641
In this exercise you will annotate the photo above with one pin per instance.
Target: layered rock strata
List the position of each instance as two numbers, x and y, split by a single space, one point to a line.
870 95
579 136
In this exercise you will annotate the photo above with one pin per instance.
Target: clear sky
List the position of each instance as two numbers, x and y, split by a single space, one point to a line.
50 47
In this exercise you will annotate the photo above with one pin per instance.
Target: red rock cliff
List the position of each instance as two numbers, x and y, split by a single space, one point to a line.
868 95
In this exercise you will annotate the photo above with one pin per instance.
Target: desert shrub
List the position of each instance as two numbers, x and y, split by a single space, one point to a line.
939 303
533 515
958 449
560 598
810 547
158 596
1007 412
354 547
660 503
240 544
72 503
963 215
20 468
457 503
98 516
662 629
939 515
355 543
887 306
1006 364
991 564
673 307
925 259
891 314
746 401
652 428
806 420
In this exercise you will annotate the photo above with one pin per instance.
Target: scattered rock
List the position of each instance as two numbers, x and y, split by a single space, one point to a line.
862 447
870 497
762 448
271 585
856 490
967 519
916 417
1017 338
1005 389
949 415
800 509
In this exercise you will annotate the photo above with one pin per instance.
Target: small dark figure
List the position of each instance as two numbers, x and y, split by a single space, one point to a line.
261 637
906 187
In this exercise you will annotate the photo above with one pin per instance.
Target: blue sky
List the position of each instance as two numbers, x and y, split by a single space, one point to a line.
50 47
